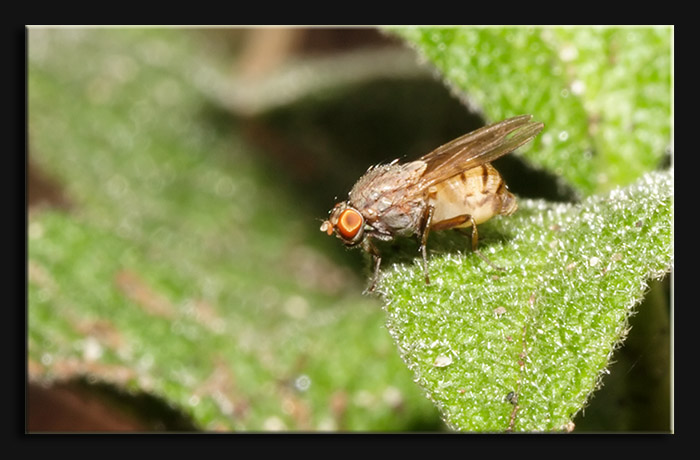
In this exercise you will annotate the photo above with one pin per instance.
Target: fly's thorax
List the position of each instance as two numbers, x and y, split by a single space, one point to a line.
381 185
479 192
386 219
389 198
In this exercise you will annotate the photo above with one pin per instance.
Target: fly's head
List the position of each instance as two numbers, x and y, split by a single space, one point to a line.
347 223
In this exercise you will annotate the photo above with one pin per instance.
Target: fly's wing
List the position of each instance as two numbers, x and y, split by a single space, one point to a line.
478 147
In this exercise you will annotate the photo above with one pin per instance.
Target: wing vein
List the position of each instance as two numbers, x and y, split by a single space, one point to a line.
478 147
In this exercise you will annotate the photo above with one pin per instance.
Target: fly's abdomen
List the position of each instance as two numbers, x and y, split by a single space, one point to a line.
479 192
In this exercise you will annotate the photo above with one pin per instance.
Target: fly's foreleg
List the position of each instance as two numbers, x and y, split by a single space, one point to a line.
376 257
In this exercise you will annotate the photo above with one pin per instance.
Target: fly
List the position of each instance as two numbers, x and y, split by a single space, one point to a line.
454 186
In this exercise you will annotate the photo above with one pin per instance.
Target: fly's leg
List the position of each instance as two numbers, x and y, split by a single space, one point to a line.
475 241
425 230
456 222
376 257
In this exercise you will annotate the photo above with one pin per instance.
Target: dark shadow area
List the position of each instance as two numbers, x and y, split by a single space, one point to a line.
79 406
666 160
43 190
636 395
528 181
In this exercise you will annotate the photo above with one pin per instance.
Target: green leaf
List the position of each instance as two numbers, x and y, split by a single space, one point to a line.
524 348
604 94
184 268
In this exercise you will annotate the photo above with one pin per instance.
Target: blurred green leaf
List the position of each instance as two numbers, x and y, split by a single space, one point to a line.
604 94
185 268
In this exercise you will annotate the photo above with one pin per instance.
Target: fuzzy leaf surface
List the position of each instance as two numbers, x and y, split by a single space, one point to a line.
523 349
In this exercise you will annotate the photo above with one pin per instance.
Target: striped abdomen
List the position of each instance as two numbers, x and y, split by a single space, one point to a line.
479 192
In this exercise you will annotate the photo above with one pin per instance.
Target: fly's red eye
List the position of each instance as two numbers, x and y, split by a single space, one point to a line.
349 223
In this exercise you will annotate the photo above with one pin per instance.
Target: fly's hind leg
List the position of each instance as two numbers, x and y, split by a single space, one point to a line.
456 222
475 241
425 230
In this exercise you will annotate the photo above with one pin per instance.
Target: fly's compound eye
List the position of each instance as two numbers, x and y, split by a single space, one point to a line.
350 224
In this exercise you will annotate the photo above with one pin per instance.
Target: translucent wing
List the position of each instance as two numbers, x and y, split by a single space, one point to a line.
478 147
